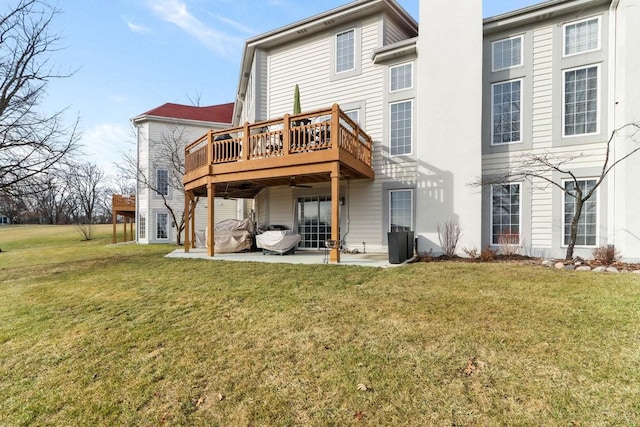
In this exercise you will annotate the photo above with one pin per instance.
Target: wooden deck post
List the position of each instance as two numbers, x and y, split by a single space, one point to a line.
192 203
211 192
124 224
245 142
335 127
187 220
286 134
114 238
335 212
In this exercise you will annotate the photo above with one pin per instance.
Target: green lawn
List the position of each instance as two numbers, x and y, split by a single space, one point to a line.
95 334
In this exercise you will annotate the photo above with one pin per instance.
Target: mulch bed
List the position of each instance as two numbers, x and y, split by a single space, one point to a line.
524 260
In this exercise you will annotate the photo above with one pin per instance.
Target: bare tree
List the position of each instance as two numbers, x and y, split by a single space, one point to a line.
30 143
88 185
554 169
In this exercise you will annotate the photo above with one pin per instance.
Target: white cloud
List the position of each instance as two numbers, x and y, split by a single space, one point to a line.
238 26
137 28
175 12
105 143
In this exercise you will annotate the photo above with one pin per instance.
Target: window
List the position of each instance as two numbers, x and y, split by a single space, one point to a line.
314 221
345 51
401 128
580 113
588 223
506 112
162 182
142 227
401 77
507 53
162 226
400 210
582 36
353 115
505 214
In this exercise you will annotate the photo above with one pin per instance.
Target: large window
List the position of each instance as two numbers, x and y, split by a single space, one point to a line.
162 226
314 221
345 51
162 182
582 36
142 227
401 77
401 127
506 112
507 53
588 223
580 106
400 210
505 214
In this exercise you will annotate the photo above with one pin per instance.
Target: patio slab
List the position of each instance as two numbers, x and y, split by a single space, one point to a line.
379 260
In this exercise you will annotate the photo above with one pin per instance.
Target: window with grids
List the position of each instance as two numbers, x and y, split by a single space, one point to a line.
582 36
401 127
506 112
400 210
507 53
505 214
162 226
581 101
345 51
588 222
162 182
353 115
401 77
142 227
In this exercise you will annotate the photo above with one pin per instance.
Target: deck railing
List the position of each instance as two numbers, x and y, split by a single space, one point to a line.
327 129
123 203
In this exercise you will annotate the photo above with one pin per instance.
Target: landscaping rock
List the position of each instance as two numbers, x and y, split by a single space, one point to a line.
559 265
636 272
570 267
612 270
547 263
583 268
599 269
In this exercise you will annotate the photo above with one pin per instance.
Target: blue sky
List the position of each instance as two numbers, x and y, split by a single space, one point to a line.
129 56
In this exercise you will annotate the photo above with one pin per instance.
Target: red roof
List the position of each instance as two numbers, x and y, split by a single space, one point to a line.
214 113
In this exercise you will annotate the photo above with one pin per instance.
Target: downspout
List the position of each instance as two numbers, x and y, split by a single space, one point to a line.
343 241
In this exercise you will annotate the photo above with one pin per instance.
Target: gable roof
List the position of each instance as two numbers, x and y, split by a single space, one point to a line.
221 113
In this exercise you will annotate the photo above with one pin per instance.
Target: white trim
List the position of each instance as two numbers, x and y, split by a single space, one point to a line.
562 244
519 141
521 62
410 64
413 126
397 190
598 101
564 36
519 184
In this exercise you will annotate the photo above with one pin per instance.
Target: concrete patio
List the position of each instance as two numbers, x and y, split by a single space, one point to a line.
379 260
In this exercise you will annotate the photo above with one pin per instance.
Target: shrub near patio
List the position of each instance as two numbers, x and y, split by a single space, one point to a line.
95 334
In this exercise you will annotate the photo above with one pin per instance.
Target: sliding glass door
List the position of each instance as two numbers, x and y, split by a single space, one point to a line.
314 221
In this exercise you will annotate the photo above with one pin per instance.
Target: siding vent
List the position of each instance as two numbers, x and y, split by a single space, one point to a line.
329 22
302 31
246 75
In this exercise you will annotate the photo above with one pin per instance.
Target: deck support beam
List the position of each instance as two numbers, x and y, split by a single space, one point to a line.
187 221
211 193
335 212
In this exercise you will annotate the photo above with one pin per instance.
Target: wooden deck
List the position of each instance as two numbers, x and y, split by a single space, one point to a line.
124 206
318 146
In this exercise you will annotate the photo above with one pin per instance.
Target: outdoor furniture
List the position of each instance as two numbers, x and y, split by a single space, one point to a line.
282 242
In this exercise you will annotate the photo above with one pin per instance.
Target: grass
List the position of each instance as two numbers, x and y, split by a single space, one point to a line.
96 334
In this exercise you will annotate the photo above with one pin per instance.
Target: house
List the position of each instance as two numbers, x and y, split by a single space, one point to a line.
398 124
161 135
4 220
557 82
